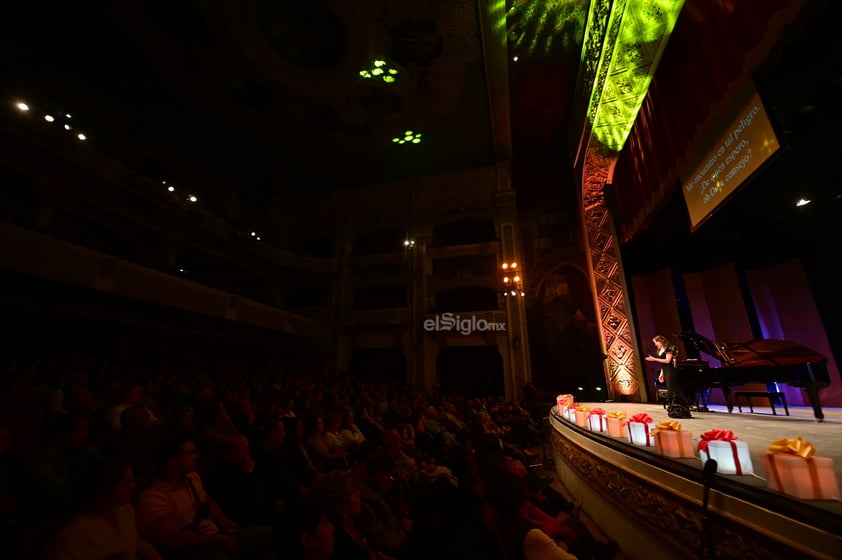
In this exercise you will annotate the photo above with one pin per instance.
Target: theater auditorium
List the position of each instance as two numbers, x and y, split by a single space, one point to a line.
401 279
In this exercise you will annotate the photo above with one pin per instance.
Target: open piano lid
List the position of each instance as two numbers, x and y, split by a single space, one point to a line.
762 352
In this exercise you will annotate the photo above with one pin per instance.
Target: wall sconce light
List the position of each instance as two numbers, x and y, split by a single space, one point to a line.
512 280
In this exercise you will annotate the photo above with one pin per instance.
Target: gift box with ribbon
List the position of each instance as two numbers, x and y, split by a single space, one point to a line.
637 429
731 455
672 441
562 402
792 467
570 411
596 420
615 423
581 416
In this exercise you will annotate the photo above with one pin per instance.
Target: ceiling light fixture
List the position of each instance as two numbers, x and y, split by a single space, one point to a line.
380 70
21 106
408 137
803 202
49 118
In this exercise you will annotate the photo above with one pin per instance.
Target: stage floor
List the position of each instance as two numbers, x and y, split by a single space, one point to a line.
758 430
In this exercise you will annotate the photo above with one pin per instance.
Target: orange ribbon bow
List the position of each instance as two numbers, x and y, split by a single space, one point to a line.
796 446
667 426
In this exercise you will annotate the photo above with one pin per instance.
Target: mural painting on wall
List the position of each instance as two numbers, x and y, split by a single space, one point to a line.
564 338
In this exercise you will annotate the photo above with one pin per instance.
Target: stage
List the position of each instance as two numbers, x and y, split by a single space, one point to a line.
652 505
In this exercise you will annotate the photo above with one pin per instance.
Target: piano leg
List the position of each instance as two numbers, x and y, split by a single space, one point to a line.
726 392
813 394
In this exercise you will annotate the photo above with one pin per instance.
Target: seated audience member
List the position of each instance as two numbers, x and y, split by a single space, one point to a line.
276 473
352 436
237 489
132 396
322 449
137 442
407 468
565 529
308 535
339 498
333 432
425 442
383 519
54 467
214 427
104 527
295 451
508 495
370 425
177 515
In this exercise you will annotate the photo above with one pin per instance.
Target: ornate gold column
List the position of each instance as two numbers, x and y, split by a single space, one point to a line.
624 370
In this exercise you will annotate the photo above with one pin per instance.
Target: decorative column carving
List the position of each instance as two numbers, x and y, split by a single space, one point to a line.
624 370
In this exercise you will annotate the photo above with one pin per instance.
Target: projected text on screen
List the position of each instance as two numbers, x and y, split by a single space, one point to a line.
735 152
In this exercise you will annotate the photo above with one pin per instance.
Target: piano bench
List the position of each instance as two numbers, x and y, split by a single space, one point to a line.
772 396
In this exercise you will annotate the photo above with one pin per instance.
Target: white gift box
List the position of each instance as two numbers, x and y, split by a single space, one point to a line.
570 414
731 456
639 434
597 423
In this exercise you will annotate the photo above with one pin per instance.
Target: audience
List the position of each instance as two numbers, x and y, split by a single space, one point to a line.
301 467
104 527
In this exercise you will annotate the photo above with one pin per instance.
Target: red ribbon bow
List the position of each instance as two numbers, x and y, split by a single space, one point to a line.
715 435
598 411
642 417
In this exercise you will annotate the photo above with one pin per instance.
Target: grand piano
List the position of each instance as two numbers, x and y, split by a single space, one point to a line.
752 361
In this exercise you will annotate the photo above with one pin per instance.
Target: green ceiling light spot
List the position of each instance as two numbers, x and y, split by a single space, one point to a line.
379 69
644 28
408 136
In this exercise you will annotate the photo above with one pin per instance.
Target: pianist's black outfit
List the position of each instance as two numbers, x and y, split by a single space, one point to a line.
670 373
678 407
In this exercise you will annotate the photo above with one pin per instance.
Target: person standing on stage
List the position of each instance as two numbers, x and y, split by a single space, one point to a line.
667 357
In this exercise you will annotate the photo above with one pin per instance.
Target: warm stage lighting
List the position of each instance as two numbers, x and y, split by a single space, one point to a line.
22 106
